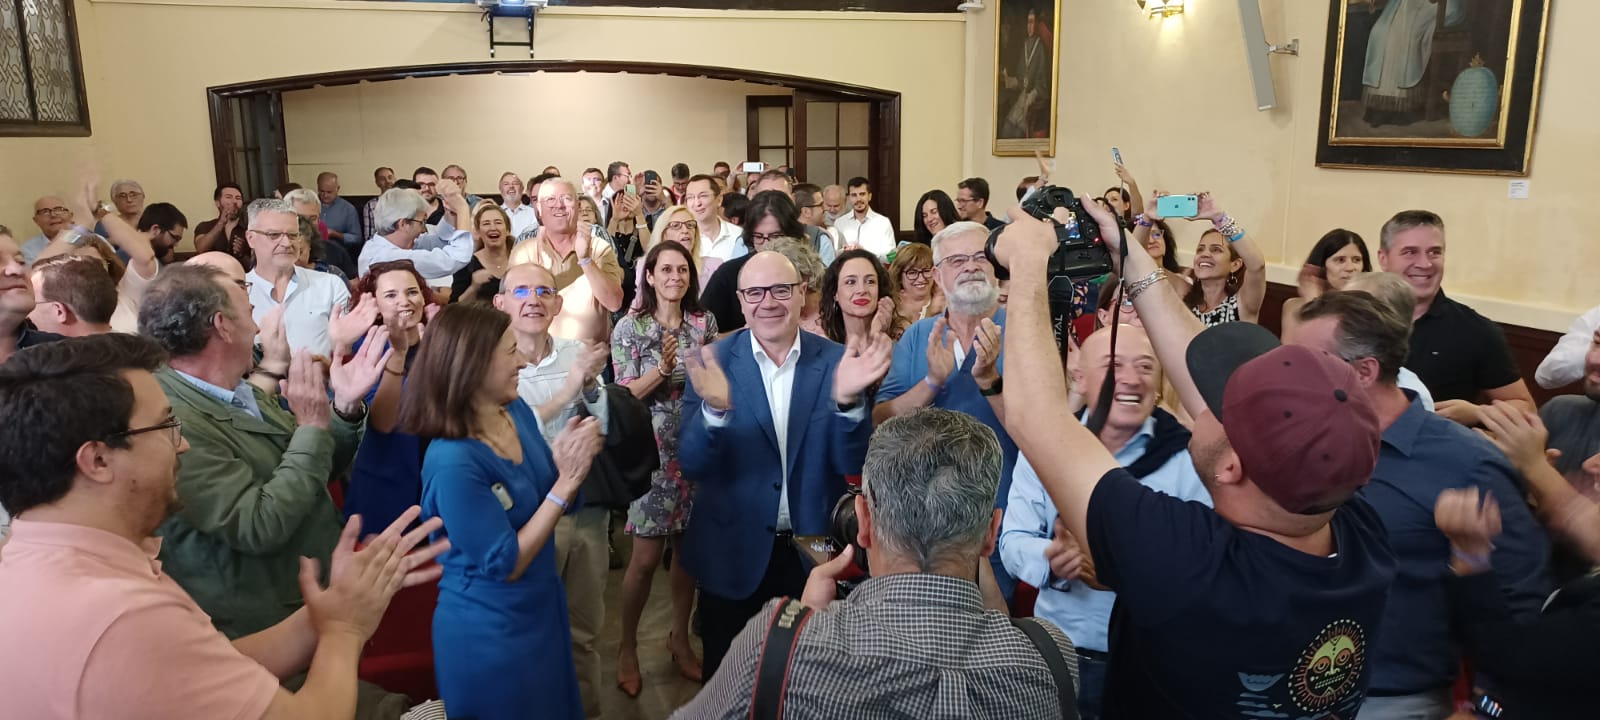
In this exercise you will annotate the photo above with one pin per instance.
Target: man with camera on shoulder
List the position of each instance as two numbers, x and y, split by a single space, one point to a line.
915 640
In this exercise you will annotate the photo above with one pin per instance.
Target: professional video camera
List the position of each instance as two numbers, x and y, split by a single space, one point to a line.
1081 254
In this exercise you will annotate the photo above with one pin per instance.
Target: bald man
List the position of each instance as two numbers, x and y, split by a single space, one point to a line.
52 216
1146 439
764 477
228 264
342 219
560 376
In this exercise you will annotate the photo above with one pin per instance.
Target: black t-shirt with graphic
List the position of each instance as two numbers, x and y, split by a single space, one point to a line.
1212 621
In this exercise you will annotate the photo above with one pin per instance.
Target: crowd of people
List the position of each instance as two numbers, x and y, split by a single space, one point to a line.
878 484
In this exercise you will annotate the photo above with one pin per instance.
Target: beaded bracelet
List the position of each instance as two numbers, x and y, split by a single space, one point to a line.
552 497
1142 221
1137 287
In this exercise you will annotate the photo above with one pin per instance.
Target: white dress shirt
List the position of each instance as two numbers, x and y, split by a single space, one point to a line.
538 383
778 381
1564 364
726 245
875 234
130 295
308 302
438 253
523 219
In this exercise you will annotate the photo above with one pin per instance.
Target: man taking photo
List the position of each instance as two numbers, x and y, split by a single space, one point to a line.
1271 600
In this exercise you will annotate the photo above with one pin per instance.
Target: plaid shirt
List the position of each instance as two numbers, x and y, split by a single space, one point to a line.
912 645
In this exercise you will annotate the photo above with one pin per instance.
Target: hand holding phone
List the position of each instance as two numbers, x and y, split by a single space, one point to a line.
1178 206
753 167
1116 155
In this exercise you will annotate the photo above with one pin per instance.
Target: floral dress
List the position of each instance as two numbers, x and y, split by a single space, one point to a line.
636 350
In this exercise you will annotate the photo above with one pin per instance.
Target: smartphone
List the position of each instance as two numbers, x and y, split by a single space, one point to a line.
1116 155
1178 206
651 176
630 189
753 167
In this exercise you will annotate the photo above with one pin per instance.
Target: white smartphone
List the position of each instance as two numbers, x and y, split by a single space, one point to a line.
753 167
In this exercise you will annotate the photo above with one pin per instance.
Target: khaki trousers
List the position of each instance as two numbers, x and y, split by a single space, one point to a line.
582 559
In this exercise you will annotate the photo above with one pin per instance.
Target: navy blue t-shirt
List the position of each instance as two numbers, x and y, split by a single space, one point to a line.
1212 621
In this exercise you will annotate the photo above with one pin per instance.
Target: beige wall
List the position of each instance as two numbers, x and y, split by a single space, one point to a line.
519 123
148 63
1175 95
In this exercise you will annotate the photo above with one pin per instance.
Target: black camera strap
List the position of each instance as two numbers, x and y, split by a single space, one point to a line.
1108 387
1066 692
777 652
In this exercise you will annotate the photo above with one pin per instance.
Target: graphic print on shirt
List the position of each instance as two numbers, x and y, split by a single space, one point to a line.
1325 675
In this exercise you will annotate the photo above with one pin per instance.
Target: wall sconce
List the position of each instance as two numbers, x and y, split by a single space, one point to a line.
1161 8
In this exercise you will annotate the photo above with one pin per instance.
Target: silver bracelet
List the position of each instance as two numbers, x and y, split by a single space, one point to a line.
1137 287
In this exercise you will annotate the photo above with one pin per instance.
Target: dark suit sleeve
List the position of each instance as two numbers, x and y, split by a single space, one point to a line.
697 442
1555 650
1522 551
851 431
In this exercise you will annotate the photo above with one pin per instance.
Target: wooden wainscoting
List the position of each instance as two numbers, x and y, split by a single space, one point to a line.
1529 346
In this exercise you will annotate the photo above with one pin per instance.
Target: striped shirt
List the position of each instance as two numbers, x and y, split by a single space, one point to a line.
912 645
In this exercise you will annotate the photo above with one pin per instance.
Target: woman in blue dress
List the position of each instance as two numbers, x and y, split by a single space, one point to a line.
501 644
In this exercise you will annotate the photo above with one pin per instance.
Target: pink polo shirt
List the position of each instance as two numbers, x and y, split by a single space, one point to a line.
93 629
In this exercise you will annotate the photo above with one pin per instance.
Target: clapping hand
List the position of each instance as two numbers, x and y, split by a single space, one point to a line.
987 345
590 361
274 341
344 328
574 450
884 318
1470 520
1064 554
707 378
306 391
1521 435
361 582
351 378
418 565
941 355
669 355
864 363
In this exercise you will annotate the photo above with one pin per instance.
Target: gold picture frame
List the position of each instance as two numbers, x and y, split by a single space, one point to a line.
1449 86
1025 112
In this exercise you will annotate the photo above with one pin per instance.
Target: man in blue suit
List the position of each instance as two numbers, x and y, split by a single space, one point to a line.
768 444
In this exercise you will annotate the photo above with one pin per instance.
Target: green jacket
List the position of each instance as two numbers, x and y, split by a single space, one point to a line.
254 496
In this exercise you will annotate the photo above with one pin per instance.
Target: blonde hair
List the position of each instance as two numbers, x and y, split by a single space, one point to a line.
661 227
488 206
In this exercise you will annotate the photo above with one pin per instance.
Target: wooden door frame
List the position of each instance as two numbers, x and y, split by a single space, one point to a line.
885 104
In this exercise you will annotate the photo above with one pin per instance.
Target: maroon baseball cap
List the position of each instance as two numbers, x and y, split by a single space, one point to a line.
1298 418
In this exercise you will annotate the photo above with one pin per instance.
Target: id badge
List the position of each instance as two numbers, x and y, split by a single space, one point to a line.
501 494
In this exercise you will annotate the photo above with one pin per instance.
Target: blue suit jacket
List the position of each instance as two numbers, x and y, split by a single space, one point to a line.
736 470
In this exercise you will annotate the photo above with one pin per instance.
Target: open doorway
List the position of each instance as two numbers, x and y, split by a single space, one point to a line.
250 146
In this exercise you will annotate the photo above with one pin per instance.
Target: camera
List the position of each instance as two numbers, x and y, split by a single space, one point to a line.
1081 254
843 527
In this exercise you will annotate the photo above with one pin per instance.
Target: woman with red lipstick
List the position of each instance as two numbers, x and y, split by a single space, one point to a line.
480 280
645 347
856 301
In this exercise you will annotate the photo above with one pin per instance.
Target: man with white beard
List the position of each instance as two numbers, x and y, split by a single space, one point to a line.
953 361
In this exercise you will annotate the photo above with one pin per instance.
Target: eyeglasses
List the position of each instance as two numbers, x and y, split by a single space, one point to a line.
58 210
683 225
277 235
959 262
920 274
131 195
523 292
766 237
421 223
244 285
173 424
781 291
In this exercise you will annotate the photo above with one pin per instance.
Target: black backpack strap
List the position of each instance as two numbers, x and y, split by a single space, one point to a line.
1066 692
777 652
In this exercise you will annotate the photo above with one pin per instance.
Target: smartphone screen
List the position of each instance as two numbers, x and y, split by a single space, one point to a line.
1116 155
630 189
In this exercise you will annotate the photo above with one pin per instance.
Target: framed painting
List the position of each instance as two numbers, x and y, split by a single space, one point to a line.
1027 59
1432 85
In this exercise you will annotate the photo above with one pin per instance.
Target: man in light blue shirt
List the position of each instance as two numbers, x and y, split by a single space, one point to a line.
1036 550
342 219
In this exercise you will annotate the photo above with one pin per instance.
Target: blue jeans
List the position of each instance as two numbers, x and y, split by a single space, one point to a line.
1091 686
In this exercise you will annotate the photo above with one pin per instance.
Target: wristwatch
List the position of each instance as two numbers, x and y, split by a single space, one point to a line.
994 389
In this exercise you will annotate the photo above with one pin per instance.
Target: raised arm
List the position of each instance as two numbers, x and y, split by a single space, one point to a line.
1169 324
1069 459
1253 289
1564 364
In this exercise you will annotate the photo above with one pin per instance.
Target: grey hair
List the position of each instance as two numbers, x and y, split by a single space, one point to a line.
266 206
806 261
930 481
1406 220
301 195
133 183
952 230
1389 287
395 205
547 188
178 306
